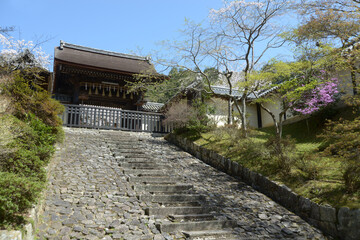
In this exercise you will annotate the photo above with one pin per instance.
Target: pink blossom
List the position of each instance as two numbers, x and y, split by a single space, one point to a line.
317 98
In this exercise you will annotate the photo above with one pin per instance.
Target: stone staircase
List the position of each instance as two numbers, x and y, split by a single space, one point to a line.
176 206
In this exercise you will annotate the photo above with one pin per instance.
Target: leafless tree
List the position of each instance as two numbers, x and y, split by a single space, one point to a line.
235 40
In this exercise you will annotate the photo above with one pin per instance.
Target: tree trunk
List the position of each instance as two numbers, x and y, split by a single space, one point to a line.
283 159
278 134
243 116
230 118
278 127
281 123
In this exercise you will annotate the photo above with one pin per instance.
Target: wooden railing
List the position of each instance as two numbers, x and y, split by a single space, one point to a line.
113 118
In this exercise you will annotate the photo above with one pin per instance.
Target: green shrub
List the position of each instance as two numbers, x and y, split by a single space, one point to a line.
29 98
44 137
33 147
253 152
27 135
283 153
25 163
17 193
343 142
309 166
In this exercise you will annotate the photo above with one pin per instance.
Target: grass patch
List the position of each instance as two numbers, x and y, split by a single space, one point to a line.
312 175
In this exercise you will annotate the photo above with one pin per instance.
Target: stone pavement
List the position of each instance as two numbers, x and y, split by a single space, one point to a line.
102 188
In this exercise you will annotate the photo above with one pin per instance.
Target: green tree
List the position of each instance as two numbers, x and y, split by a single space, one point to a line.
343 138
292 85
235 40
335 22
163 91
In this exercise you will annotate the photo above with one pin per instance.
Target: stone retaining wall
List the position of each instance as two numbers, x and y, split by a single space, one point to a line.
343 223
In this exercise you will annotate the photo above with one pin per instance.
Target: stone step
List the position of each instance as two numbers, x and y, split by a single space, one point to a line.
126 144
157 188
128 155
129 150
149 182
145 172
212 234
165 211
171 198
135 160
180 204
162 180
196 226
145 165
134 146
191 217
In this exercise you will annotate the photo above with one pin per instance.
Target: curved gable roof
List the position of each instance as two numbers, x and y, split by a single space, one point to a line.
92 57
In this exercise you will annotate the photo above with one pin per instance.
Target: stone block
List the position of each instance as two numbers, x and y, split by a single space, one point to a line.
227 166
284 193
349 223
221 163
253 178
262 182
275 191
207 153
246 175
314 222
293 201
327 214
234 169
315 211
304 207
328 228
240 171
202 152
198 155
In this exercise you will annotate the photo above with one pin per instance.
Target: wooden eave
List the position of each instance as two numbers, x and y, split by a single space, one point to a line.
77 65
103 59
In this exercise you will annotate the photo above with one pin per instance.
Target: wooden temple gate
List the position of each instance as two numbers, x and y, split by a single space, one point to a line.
113 118
93 86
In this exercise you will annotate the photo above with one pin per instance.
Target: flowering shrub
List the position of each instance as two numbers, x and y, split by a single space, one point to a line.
319 97
18 53
323 94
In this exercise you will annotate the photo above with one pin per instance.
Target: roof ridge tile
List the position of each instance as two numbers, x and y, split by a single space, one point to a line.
100 51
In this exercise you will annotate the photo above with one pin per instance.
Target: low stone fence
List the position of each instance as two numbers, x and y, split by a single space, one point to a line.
343 223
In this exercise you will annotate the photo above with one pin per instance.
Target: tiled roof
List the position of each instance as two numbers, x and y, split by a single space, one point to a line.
101 59
99 51
237 93
226 91
151 106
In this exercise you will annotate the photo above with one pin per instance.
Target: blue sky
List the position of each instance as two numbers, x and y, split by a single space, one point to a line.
115 25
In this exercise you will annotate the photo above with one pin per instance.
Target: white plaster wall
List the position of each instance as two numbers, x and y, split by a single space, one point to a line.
218 120
220 116
221 111
275 108
252 118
